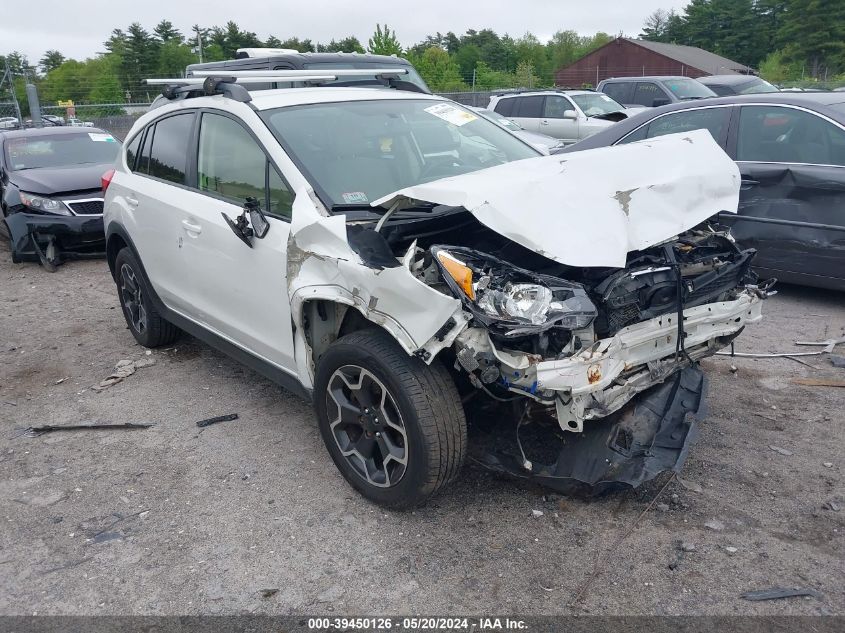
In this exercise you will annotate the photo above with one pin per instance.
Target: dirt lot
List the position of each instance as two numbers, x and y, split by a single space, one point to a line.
174 520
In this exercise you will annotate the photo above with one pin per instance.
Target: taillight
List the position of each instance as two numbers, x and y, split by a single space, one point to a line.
105 180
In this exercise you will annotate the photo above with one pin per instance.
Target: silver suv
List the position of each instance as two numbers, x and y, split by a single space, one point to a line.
569 115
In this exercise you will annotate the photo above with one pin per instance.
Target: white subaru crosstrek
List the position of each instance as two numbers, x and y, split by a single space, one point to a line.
408 266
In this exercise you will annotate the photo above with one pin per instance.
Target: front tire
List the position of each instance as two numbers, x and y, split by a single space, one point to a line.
394 426
148 327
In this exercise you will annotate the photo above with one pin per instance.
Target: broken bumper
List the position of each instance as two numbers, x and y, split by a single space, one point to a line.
73 236
604 377
651 435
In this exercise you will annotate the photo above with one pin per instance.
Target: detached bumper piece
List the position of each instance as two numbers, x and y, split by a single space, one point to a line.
54 239
652 434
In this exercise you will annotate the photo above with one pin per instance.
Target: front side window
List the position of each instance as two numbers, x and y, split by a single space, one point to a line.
714 120
355 152
168 147
555 107
772 134
646 92
60 150
233 166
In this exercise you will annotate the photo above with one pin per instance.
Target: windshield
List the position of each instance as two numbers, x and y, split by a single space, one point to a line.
60 150
596 104
355 152
688 89
413 76
756 86
498 119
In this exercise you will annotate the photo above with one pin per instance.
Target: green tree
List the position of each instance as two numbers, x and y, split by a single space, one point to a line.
349 44
51 60
816 31
303 46
384 42
440 71
166 32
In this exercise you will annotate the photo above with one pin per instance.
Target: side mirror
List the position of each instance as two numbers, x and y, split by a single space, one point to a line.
570 114
659 101
257 219
249 224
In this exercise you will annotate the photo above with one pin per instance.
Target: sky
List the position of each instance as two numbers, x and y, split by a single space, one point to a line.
79 29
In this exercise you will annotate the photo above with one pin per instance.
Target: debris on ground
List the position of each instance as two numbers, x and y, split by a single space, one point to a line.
828 347
779 592
690 485
686 546
663 507
837 361
268 593
828 464
818 382
731 550
123 369
219 418
714 524
734 369
831 505
35 431
782 451
537 513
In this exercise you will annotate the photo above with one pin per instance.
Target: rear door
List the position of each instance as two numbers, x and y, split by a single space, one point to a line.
555 124
241 292
156 198
527 112
619 91
792 201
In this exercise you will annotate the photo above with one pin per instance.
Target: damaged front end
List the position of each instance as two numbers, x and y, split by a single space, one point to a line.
582 349
51 239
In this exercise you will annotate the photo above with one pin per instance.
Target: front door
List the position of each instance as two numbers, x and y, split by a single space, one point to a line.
241 291
560 119
792 201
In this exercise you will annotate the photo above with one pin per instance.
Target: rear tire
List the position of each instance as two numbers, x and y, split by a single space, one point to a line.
148 327
411 439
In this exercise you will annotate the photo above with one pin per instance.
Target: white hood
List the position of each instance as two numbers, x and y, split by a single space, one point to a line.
590 208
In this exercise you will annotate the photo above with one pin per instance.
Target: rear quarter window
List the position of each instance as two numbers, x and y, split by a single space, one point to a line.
504 107
168 156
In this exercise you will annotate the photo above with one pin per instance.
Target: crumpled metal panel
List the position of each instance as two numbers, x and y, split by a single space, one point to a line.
651 435
591 208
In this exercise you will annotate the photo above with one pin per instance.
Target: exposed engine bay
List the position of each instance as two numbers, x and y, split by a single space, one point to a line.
555 343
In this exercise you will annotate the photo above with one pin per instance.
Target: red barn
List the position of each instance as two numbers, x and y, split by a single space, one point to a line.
626 57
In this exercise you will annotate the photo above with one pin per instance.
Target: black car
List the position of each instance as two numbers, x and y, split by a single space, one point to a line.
51 191
727 85
790 150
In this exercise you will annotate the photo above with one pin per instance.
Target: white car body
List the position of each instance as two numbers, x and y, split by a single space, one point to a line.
258 300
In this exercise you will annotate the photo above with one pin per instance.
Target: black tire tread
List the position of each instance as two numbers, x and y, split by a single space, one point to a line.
435 398
160 331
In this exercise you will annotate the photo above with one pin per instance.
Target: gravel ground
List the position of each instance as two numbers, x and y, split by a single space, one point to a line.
177 520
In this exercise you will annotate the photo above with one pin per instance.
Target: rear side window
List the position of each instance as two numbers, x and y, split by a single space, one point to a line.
646 92
714 120
132 150
505 107
168 154
619 91
529 107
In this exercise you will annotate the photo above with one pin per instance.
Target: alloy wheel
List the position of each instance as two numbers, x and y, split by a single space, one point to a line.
367 426
132 298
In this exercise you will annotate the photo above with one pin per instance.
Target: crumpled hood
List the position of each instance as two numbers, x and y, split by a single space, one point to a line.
591 208
60 180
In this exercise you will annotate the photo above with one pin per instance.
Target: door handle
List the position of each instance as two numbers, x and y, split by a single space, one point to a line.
131 200
190 227
747 183
544 122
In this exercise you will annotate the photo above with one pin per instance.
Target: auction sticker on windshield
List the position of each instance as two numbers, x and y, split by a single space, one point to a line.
101 138
355 197
451 114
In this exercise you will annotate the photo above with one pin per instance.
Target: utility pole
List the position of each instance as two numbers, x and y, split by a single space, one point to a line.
199 45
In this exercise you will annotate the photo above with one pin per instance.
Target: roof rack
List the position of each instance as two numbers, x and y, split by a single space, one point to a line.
232 84
517 91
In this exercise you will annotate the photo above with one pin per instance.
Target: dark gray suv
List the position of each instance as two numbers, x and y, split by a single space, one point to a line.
652 92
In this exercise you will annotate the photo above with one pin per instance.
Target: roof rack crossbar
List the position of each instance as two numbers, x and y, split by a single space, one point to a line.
199 81
297 75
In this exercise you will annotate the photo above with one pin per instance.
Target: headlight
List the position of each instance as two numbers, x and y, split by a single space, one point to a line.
45 205
516 300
